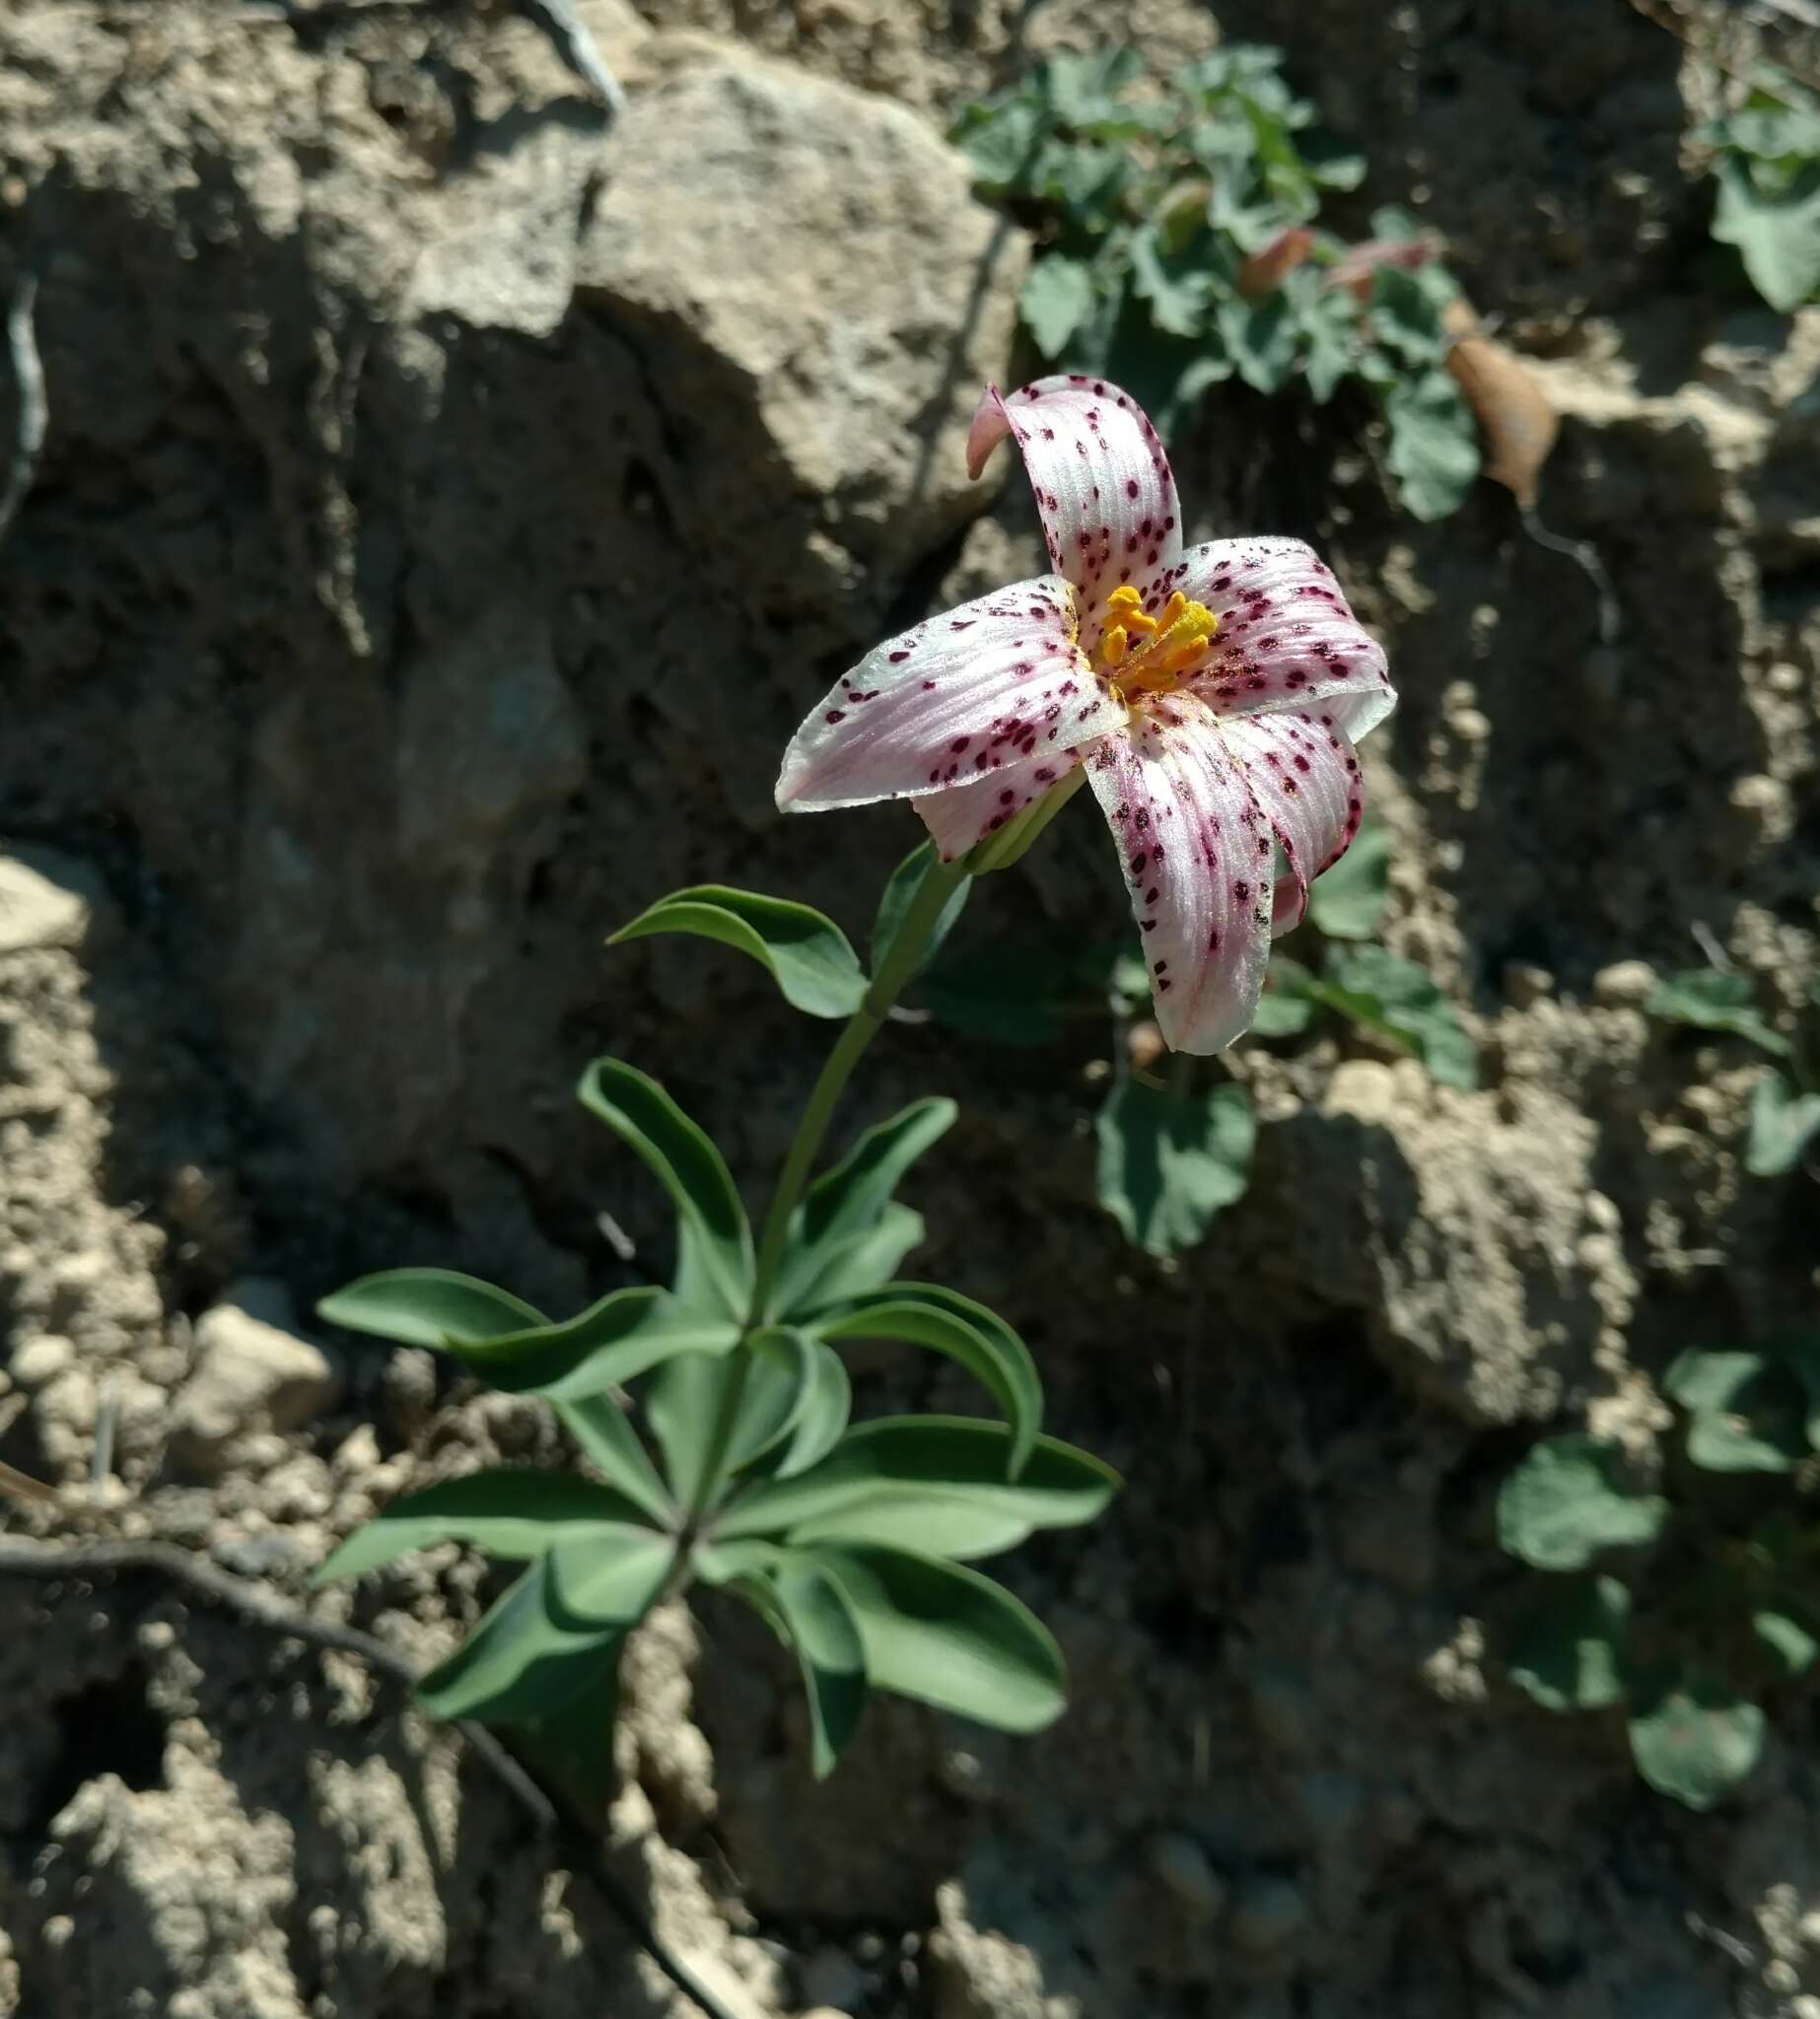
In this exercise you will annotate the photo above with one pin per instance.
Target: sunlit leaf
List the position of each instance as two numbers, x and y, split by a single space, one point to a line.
1056 298
900 893
1694 1738
1784 1122
519 1663
1348 901
427 1307
805 953
1712 1000
1434 447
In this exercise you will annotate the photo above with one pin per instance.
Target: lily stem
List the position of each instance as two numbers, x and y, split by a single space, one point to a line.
900 962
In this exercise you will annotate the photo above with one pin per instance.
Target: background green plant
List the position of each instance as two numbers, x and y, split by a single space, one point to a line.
1786 1107
1174 1139
1686 1599
854 1542
1157 202
1766 160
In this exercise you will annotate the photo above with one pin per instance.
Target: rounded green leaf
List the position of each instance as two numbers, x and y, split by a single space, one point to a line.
508 1513
1568 1651
1696 1740
946 1636
979 1340
1745 1414
1434 445
608 1576
1169 1163
1571 1498
807 954
688 1166
1348 901
1710 1000
520 1664
1056 298
434 1307
1782 1123
937 1483
623 1335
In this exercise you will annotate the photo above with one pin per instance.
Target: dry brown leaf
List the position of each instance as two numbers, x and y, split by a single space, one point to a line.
1515 416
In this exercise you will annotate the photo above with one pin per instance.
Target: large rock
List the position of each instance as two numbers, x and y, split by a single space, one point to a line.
254 1372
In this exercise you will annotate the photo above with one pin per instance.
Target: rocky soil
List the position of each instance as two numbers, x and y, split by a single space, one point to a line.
452 500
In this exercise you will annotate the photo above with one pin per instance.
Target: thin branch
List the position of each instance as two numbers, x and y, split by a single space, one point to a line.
26 1557
29 389
580 51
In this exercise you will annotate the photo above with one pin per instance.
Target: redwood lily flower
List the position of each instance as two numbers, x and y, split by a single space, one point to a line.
1212 695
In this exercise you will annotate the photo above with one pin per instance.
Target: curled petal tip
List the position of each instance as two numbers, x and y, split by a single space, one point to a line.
991 425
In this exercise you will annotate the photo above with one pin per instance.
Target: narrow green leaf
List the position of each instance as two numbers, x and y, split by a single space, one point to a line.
938 1484
836 1272
818 1624
683 1403
1568 1652
922 1314
1696 1739
948 1637
1169 1163
781 1385
1784 1122
1571 1498
900 893
427 1307
626 1333
519 1664
1348 901
846 1207
822 1419
1709 1000
506 1513
688 1166
599 1426
806 953
608 1576
572 1747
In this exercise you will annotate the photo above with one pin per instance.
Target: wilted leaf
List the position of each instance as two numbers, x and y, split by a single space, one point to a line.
1517 422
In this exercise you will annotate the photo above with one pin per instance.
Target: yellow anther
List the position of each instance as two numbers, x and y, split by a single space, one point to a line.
1174 608
1114 645
1124 598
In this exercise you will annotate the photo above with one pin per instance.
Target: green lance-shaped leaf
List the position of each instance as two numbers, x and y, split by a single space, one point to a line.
572 1747
624 1335
821 1418
1694 1738
1746 1415
1348 901
689 1167
807 954
516 1513
1782 1123
599 1426
683 1405
922 1314
1709 1000
805 1608
1571 1498
847 1203
1567 1650
521 1663
937 1483
434 1307
607 1577
900 893
1171 1163
836 1272
946 1636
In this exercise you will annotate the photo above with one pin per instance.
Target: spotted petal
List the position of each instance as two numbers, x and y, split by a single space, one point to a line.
1304 776
1288 637
959 697
1102 482
1197 855
965 815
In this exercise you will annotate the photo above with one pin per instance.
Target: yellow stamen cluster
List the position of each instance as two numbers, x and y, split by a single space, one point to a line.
1149 654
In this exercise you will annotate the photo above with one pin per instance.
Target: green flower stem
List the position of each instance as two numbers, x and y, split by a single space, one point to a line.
899 964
